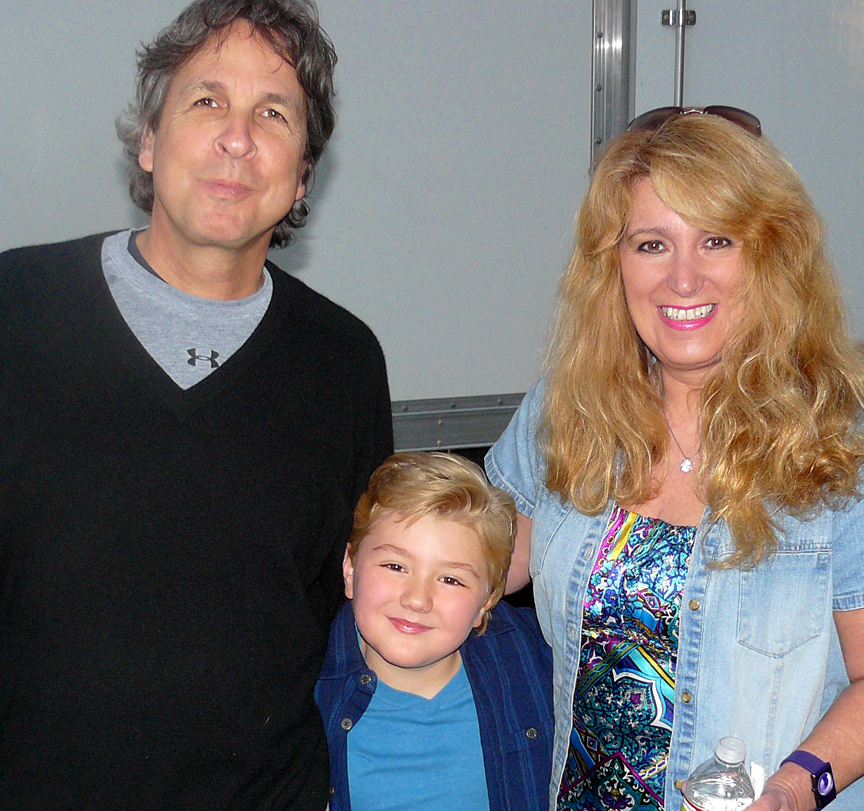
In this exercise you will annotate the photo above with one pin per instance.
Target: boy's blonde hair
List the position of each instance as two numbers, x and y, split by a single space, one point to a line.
413 485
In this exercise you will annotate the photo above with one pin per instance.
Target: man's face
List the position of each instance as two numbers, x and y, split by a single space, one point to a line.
227 157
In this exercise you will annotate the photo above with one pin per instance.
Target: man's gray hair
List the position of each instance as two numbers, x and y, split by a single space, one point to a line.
289 27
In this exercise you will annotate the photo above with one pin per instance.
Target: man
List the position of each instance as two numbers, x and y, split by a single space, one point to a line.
186 430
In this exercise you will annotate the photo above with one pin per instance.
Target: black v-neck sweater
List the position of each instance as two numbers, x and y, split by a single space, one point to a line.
170 560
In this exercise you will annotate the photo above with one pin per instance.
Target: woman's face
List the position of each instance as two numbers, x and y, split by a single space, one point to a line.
679 282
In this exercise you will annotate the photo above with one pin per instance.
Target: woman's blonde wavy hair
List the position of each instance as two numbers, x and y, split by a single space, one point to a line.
780 417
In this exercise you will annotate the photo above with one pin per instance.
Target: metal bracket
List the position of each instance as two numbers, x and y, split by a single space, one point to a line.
681 18
674 16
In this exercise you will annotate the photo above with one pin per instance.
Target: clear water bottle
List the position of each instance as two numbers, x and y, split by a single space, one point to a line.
721 783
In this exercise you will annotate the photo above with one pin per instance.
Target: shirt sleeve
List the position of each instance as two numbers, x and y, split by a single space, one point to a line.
847 560
515 463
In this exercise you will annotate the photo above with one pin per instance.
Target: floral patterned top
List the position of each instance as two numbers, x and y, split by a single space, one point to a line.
622 710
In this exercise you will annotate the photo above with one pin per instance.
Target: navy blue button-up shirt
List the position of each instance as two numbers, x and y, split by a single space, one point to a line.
509 669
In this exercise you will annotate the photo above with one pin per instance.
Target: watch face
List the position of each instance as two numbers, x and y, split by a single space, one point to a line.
823 786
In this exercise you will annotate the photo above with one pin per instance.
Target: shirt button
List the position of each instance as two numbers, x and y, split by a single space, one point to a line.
574 633
695 605
685 697
365 679
531 733
347 723
679 784
332 791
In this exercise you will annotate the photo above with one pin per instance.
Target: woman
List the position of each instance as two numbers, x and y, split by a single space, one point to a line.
686 470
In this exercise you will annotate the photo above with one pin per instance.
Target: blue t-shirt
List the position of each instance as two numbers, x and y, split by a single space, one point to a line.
408 752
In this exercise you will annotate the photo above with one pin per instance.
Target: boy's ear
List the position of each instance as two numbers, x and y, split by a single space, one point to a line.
484 610
348 575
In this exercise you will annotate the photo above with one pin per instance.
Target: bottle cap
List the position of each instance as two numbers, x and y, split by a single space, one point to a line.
731 750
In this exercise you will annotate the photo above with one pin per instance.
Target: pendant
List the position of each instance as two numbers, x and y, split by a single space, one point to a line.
686 466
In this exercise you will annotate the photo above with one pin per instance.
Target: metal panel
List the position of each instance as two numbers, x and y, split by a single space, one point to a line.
452 422
612 72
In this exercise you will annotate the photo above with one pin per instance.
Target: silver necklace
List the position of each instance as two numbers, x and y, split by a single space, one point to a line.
687 465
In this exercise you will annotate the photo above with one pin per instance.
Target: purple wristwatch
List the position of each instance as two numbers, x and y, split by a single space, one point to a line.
821 775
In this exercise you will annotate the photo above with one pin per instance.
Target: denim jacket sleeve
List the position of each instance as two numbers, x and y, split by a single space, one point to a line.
848 560
514 463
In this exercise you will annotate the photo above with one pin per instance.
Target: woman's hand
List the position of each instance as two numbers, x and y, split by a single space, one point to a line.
774 798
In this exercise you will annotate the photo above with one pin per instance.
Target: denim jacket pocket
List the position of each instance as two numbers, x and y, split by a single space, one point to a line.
782 602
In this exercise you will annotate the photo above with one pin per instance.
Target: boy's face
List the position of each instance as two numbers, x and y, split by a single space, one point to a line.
417 590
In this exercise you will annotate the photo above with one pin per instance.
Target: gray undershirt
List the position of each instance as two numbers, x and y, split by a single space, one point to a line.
186 335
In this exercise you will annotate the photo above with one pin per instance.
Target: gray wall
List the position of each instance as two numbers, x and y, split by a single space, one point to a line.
443 210
444 207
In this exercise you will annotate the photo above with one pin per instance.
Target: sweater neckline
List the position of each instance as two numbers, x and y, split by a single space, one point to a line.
108 328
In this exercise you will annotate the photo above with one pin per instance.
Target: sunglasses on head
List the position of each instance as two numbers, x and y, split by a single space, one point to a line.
654 119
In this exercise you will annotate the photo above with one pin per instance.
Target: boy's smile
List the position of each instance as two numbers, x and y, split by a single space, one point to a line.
418 589
407 627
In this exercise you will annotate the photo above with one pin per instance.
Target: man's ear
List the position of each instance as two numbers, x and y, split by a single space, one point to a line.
145 156
305 176
348 575
301 190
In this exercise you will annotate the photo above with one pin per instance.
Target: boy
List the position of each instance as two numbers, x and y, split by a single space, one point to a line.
429 700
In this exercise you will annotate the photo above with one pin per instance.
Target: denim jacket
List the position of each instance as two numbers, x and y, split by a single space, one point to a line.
758 655
509 669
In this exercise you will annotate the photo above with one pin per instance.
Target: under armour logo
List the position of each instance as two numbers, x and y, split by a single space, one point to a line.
194 357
